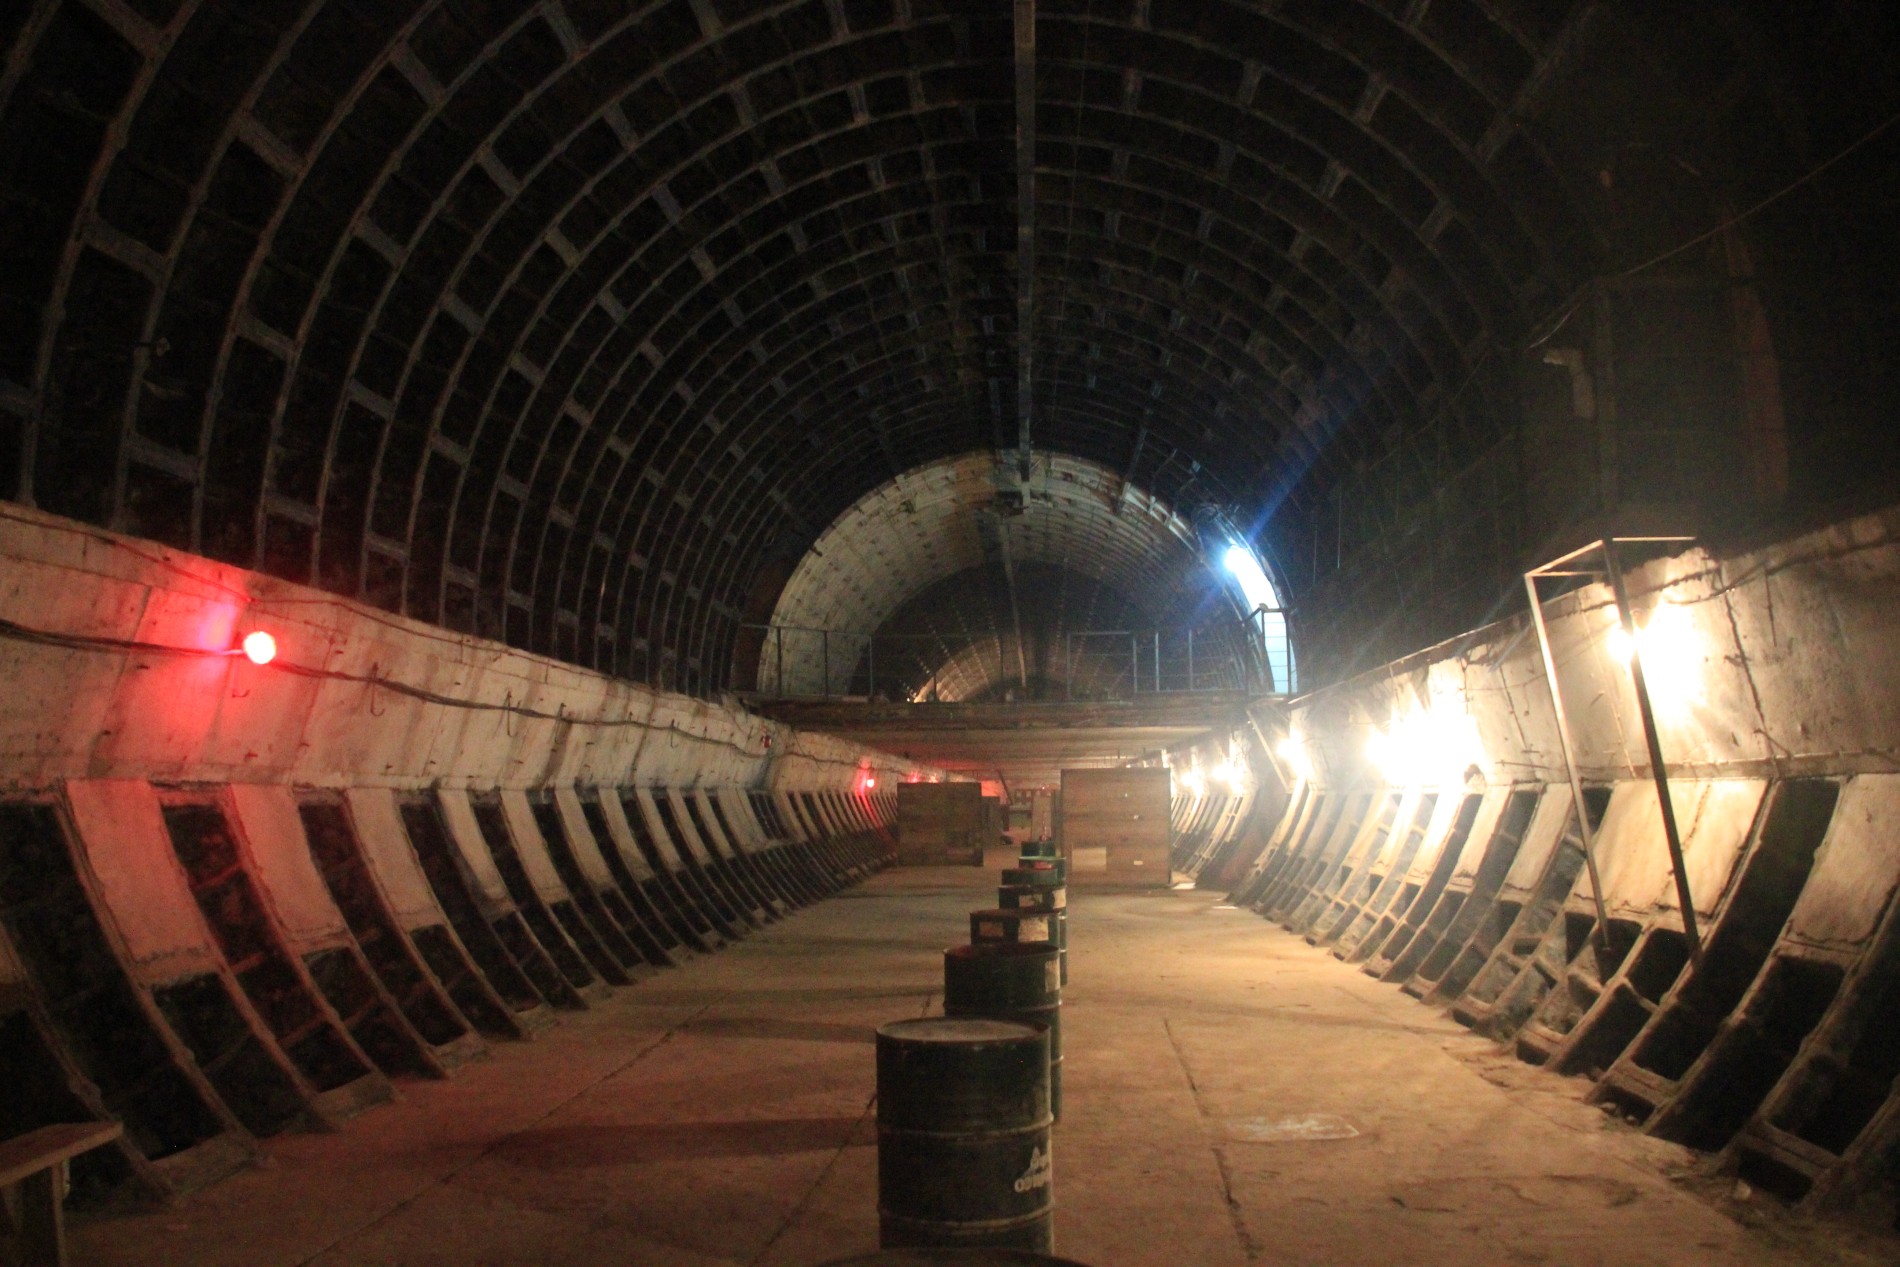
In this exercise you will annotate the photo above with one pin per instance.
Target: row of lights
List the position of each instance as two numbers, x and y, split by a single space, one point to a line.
1227 773
1428 746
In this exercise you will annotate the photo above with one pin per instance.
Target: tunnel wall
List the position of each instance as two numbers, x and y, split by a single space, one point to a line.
317 716
1429 835
240 899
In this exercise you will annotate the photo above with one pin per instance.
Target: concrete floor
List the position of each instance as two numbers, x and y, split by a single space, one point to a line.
722 1113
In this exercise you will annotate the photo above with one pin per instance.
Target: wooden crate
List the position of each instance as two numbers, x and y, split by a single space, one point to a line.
1113 827
941 823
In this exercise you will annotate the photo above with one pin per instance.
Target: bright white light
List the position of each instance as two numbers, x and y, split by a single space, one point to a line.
1231 773
259 647
1252 577
1671 653
1429 748
1293 753
1194 783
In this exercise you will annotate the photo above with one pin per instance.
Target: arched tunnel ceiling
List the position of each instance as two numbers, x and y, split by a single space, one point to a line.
968 551
574 322
937 521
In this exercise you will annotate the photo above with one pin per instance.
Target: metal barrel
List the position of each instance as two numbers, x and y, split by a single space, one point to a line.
1032 897
963 1122
1054 900
1010 981
1053 872
953 1258
1001 924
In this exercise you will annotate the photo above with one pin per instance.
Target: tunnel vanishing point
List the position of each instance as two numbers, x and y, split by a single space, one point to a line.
505 503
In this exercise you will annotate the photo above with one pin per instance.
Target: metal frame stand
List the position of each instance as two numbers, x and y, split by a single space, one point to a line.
1612 570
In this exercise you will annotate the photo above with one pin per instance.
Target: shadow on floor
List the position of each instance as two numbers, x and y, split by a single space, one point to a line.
592 1147
773 1029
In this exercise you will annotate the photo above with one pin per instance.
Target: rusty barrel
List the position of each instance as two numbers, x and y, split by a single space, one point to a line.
1010 981
1053 899
963 1121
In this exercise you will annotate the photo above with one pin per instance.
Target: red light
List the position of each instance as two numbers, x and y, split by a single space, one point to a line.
259 647
870 781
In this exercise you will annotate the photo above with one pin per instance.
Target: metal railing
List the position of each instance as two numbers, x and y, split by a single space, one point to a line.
1253 655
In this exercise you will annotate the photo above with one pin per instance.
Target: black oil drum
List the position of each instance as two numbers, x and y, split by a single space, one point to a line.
1054 900
1010 981
1006 925
1052 871
1032 897
963 1122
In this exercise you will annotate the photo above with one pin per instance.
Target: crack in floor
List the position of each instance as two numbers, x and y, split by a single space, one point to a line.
1250 1248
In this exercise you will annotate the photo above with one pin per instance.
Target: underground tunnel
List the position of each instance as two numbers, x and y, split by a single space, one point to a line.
553 551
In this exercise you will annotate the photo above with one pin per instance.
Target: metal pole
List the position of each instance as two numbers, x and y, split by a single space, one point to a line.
1585 832
1657 769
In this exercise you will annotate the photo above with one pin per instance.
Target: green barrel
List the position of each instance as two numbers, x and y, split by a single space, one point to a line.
1032 897
1051 899
1053 872
1010 981
1001 924
963 1121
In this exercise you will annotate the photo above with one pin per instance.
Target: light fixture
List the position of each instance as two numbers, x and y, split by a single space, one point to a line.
1246 569
259 647
1426 747
1669 647
1293 753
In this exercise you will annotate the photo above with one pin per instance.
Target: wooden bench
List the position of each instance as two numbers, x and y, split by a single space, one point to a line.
33 1177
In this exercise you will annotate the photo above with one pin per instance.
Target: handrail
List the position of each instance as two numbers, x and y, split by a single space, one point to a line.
1253 654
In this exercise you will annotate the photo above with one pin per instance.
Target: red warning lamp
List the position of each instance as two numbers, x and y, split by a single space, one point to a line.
259 647
870 781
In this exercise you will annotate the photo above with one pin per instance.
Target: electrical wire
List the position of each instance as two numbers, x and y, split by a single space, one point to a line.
1555 322
92 642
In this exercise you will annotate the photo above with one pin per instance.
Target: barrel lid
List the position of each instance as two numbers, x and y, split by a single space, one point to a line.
956 1029
1010 912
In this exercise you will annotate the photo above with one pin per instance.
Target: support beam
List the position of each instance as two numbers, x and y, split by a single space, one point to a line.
1025 227
1672 834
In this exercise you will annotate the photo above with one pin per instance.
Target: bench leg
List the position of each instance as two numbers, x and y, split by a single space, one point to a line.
42 1218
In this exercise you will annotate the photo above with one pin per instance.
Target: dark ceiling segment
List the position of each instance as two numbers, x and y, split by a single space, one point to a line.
572 322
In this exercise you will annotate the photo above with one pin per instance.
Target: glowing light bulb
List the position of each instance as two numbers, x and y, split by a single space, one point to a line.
870 781
259 647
